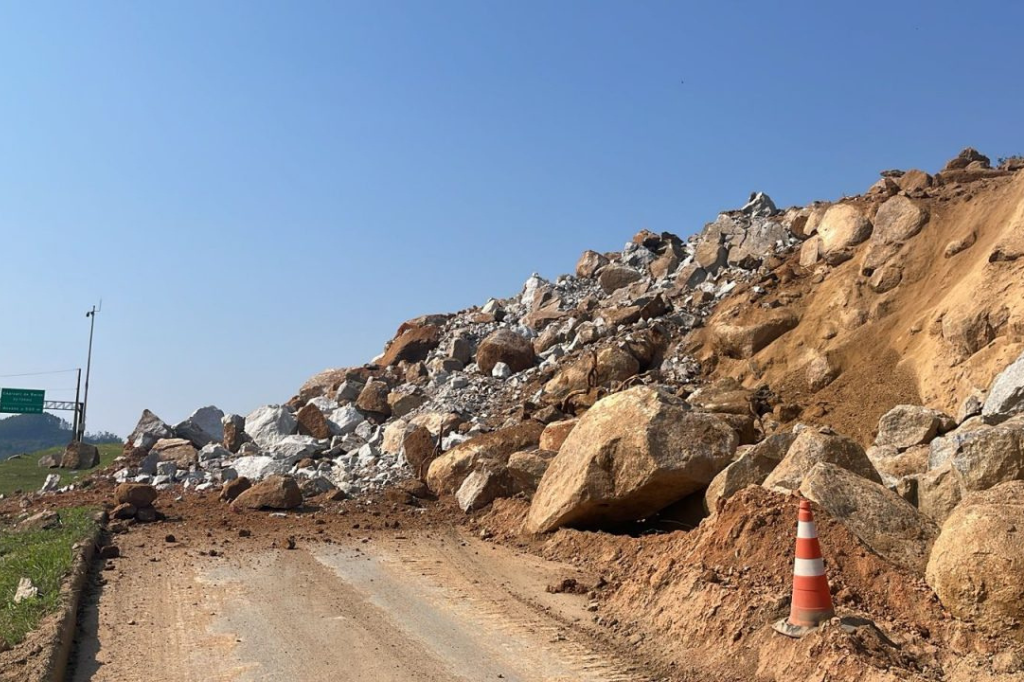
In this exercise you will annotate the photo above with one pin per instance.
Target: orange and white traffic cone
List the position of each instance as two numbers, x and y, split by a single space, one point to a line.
812 602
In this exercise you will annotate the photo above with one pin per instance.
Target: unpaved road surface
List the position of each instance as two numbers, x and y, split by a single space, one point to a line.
427 606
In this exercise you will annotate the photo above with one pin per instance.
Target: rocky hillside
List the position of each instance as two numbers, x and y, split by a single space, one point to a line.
865 354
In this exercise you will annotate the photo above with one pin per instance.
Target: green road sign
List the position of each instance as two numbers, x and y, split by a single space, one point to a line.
21 400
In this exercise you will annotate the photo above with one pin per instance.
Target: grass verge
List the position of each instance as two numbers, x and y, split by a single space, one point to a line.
22 472
44 557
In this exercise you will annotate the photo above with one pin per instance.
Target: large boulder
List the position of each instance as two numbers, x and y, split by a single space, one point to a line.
939 491
177 450
234 432
813 446
79 455
943 448
886 522
404 400
447 472
373 399
274 492
607 366
990 456
482 487
139 495
438 423
412 441
344 420
631 455
894 465
965 158
810 252
526 469
392 438
506 346
419 448
311 422
615 276
842 227
268 424
1006 395
897 220
149 430
291 449
589 263
258 467
202 427
905 426
914 180
555 434
726 397
50 461
412 345
235 487
751 468
742 341
978 560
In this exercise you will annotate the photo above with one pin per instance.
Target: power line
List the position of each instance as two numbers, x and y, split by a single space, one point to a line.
37 374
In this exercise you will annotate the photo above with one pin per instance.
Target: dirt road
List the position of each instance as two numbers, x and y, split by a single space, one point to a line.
428 606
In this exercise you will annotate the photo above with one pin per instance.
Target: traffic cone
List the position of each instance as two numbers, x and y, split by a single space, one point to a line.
812 602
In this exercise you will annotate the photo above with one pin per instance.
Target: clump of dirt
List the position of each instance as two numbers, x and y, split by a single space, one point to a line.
704 600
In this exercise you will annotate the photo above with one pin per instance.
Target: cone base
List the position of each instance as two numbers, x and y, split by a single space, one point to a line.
784 627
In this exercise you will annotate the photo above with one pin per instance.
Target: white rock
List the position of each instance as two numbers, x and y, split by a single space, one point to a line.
51 483
344 420
492 306
325 405
348 391
1006 395
208 421
453 439
214 451
249 449
26 590
293 448
258 467
269 424
501 371
534 283
365 430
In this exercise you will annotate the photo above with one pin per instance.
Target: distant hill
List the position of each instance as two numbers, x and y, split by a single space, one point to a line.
31 432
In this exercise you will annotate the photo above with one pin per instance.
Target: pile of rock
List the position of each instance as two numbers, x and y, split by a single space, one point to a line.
544 355
135 502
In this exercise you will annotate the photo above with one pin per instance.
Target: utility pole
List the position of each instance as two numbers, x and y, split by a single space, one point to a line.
76 434
88 367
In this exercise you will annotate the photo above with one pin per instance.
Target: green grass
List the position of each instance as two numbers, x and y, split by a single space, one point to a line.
24 473
45 558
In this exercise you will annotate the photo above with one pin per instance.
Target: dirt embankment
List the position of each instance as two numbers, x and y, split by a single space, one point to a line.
703 601
946 329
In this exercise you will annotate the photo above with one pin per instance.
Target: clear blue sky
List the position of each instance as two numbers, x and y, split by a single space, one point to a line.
261 190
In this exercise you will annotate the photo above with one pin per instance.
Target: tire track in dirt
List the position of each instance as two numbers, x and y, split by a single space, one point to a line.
425 609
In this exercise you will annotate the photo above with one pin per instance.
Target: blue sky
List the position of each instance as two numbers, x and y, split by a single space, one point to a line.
261 190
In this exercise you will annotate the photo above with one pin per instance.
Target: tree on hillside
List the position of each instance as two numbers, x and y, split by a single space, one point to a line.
31 432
